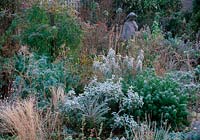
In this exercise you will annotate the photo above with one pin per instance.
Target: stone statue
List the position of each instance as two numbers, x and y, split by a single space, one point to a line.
130 27
128 32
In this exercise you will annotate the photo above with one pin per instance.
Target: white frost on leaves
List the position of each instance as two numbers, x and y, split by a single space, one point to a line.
116 64
130 62
140 59
133 99
107 90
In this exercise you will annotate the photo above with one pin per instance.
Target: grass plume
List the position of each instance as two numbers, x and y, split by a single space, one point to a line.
21 119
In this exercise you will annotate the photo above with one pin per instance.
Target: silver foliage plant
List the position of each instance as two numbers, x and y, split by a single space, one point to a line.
113 64
107 90
95 102
132 100
127 122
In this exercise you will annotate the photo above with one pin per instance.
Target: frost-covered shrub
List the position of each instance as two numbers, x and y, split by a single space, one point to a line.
107 65
111 91
163 98
132 100
113 64
35 75
106 90
177 136
90 108
143 130
100 100
126 122
188 81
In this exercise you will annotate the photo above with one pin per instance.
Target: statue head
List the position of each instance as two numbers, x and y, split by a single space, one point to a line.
131 16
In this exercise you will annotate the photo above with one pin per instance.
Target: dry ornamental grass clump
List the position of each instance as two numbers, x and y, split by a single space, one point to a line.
21 119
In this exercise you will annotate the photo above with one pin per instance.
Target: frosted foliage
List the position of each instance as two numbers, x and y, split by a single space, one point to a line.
108 89
130 62
111 54
72 104
141 55
186 79
103 90
96 65
71 92
139 65
121 121
113 64
125 61
140 59
132 100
